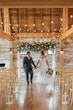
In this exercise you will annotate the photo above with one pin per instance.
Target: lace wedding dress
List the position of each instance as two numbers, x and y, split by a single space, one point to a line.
42 77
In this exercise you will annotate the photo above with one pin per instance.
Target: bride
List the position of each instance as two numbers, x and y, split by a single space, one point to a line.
43 66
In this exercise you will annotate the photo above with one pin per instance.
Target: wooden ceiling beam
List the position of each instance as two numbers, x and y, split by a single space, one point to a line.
64 25
36 3
67 34
6 21
50 35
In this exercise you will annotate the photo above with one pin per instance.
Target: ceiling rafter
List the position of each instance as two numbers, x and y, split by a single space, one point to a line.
36 4
57 35
67 34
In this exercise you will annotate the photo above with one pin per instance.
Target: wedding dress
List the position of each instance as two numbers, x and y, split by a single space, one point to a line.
42 77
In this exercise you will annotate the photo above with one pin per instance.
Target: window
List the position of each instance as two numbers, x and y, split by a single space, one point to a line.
50 51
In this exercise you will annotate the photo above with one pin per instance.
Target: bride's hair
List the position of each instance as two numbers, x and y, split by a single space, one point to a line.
42 52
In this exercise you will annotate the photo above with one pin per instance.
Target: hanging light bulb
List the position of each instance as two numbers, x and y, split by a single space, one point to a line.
61 19
33 24
54 29
48 30
52 22
17 25
42 24
27 30
12 27
25 25
71 16
1 22
20 29
52 32
61 29
9 24
34 30
41 30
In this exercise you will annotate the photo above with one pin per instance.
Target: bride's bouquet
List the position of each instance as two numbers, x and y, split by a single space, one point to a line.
49 71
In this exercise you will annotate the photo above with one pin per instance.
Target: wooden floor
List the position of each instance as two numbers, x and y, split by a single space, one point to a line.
33 97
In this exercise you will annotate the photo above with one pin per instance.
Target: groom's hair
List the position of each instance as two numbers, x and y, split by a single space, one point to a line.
28 52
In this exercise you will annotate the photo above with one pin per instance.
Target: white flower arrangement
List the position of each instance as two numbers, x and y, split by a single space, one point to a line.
35 46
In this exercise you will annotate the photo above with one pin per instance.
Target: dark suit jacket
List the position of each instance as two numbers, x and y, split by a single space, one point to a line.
27 63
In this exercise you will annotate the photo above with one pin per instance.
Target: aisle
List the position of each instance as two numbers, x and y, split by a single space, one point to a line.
33 97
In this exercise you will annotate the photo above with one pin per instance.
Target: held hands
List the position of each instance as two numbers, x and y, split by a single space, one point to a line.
35 67
24 70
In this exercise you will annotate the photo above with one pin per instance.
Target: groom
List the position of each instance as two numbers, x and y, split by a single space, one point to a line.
27 65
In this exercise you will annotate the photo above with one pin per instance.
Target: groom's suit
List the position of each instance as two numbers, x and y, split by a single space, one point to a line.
27 65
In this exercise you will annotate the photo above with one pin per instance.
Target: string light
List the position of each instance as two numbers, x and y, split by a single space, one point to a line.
48 30
61 19
9 24
33 24
27 30
25 25
52 22
12 27
53 33
42 24
41 30
17 25
20 29
61 29
34 30
71 16
54 29
1 22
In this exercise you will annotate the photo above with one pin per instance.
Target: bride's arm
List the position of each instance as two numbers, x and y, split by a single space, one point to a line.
37 63
47 62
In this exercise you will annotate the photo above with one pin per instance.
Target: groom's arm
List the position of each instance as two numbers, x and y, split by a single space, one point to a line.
24 62
33 63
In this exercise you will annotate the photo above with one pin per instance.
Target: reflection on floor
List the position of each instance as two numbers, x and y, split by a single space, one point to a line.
20 96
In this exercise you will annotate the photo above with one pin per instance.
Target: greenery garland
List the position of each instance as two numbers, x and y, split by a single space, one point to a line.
35 46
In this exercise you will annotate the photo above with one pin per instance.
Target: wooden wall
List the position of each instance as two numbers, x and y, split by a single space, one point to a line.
4 52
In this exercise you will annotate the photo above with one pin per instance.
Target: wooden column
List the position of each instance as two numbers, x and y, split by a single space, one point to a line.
61 54
53 64
6 21
18 64
65 19
11 55
7 30
65 28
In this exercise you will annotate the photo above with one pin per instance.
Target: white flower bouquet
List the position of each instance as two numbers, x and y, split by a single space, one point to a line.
49 71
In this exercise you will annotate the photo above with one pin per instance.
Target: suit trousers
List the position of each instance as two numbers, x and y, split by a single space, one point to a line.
27 75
